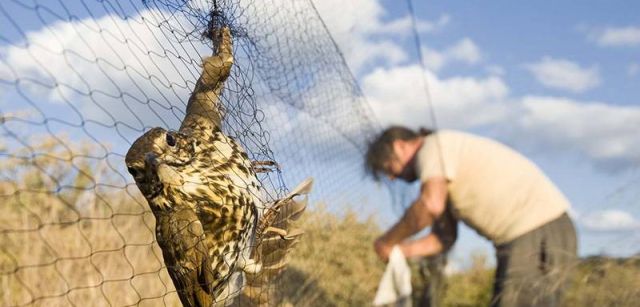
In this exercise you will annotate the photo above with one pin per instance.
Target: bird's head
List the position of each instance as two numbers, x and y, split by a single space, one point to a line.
155 159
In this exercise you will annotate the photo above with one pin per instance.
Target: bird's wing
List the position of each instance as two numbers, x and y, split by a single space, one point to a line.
276 236
203 109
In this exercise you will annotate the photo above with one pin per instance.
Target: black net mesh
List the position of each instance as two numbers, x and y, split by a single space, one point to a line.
81 80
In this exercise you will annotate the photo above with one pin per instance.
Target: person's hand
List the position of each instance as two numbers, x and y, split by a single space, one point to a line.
382 248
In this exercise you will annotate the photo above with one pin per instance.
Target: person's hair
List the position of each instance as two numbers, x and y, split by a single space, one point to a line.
381 149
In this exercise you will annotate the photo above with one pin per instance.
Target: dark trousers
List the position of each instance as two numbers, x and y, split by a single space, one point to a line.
533 269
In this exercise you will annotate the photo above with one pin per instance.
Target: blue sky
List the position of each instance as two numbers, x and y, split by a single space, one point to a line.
554 80
511 33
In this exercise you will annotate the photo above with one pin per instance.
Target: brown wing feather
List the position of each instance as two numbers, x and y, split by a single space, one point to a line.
181 238
275 237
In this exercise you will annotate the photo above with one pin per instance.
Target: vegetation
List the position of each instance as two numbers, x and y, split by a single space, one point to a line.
73 233
472 287
334 264
602 281
65 240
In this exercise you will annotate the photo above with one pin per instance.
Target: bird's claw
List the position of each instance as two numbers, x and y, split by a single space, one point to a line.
250 266
264 166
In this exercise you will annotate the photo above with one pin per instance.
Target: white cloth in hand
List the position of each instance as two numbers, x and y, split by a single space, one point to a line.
395 285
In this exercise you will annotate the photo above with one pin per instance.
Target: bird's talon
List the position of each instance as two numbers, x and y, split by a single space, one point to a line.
264 166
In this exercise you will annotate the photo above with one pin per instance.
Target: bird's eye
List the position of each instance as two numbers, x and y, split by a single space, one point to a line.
132 171
171 140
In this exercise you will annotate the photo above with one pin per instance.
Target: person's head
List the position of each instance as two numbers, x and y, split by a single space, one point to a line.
393 152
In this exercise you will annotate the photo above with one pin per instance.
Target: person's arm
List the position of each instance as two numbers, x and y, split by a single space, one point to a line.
429 206
443 235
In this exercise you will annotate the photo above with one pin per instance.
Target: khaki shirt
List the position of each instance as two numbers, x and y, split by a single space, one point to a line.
493 189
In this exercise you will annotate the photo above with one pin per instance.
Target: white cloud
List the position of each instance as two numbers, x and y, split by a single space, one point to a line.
610 220
433 59
352 25
425 26
397 96
465 51
364 53
616 36
130 72
403 26
607 134
633 69
564 74
362 34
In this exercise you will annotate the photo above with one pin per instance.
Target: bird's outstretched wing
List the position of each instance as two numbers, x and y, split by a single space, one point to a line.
275 237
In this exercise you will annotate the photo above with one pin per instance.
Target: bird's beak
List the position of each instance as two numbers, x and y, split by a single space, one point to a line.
151 160
160 170
153 185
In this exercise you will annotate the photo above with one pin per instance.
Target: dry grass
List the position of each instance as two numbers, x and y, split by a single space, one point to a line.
334 264
93 262
66 242
601 281
472 287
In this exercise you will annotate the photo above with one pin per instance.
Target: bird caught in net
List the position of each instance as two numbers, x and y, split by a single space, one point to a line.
203 190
